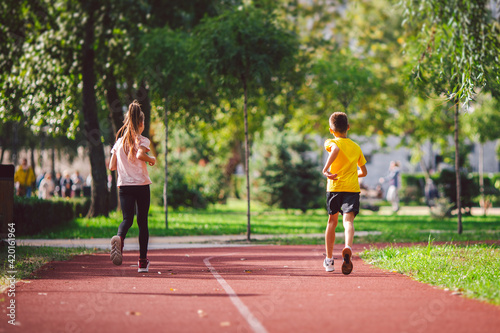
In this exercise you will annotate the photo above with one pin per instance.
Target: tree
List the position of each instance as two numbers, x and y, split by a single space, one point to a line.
99 200
427 121
166 66
286 177
456 48
44 80
244 49
343 78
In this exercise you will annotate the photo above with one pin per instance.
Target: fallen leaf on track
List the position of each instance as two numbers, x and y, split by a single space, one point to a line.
133 313
248 271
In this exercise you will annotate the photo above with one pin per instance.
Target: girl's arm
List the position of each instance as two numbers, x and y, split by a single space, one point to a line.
112 162
362 172
333 155
141 155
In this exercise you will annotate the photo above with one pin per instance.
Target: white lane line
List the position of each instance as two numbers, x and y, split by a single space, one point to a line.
255 324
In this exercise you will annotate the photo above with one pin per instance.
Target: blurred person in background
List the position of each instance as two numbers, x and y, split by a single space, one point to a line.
47 187
24 179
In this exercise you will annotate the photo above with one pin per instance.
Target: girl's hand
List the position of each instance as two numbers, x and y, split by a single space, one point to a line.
153 162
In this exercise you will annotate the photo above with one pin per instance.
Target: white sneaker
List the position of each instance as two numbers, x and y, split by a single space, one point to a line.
116 250
143 265
328 264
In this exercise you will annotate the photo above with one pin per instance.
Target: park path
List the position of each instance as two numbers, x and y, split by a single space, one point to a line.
237 289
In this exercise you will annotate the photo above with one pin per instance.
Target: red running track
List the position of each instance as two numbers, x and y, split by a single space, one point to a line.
237 289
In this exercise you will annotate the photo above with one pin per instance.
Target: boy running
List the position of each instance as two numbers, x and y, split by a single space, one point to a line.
343 190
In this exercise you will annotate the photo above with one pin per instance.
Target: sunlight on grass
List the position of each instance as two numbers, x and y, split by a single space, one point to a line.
471 270
231 219
29 259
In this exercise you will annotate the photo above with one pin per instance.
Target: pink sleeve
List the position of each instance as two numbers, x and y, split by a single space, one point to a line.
115 147
144 142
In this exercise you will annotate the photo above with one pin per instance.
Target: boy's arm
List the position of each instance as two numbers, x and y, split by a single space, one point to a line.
333 155
112 162
362 172
141 155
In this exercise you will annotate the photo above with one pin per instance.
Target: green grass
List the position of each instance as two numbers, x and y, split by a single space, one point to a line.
28 259
231 219
472 270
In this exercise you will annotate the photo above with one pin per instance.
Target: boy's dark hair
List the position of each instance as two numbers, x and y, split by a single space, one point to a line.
339 122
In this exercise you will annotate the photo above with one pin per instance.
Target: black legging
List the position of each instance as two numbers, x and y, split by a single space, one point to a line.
129 196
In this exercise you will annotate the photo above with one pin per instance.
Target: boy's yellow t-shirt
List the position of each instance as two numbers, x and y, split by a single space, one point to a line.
345 165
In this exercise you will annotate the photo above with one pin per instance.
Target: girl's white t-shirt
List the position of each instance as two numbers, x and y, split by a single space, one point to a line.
134 171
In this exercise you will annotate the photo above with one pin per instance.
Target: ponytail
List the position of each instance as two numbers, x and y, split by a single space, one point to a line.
130 129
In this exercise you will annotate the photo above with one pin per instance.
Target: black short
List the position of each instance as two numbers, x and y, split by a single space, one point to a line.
343 202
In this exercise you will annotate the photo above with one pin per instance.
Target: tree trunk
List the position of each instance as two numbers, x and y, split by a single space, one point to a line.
143 99
32 158
457 169
423 165
247 168
113 101
232 164
40 152
15 141
116 116
53 162
165 186
99 200
481 177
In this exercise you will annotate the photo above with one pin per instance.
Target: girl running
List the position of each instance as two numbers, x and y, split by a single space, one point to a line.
129 155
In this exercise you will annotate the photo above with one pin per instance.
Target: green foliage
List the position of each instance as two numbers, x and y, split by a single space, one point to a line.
42 83
33 215
286 176
426 121
196 172
246 44
471 269
341 77
165 61
229 219
456 46
446 184
412 188
366 36
483 119
180 192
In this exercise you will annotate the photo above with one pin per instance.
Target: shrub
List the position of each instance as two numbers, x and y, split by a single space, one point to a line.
33 215
411 193
285 175
447 183
189 184
413 187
